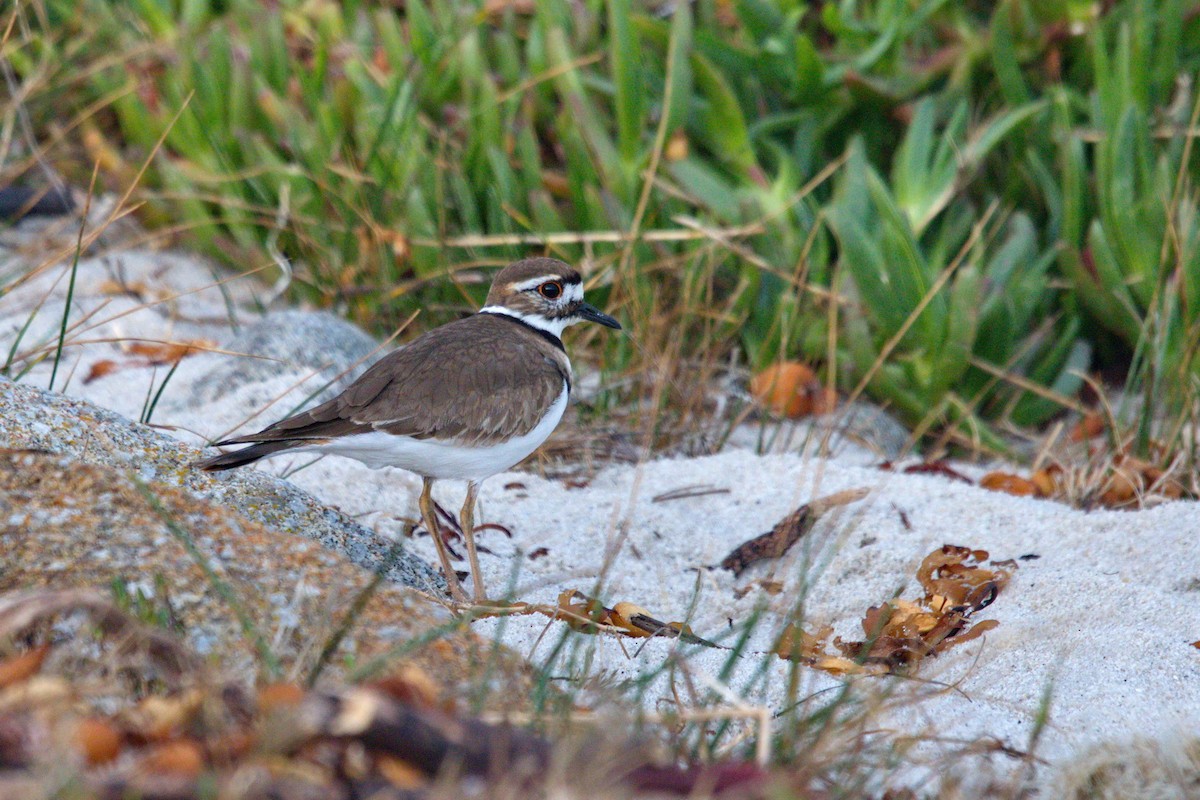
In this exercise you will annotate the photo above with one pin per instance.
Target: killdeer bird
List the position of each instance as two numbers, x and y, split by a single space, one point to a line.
464 401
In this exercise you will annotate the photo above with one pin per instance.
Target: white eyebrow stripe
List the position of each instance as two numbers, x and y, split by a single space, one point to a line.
574 291
533 283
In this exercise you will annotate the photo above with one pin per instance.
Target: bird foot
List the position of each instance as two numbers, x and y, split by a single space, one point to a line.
451 530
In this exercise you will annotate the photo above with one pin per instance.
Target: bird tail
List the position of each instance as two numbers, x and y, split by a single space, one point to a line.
247 455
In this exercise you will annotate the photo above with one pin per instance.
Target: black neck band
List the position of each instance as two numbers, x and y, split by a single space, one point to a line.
547 335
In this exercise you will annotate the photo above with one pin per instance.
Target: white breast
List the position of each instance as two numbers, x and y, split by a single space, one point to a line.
433 458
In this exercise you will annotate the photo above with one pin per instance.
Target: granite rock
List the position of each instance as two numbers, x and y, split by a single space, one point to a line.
35 419
285 342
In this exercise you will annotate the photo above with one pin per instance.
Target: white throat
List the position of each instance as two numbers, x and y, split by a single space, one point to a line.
551 326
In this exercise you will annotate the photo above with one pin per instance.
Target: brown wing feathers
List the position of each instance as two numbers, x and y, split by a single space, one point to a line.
438 386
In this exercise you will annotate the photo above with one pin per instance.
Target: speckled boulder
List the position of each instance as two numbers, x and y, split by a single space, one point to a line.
283 342
35 419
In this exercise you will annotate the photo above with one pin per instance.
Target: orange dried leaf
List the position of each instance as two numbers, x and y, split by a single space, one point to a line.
1089 427
98 740
838 665
581 612
622 616
279 695
898 618
1158 483
1009 484
901 633
158 353
824 400
22 667
1046 481
1121 489
953 573
975 631
786 389
102 368
180 757
796 644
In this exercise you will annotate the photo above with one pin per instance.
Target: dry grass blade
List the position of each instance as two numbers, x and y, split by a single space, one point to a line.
687 234
588 615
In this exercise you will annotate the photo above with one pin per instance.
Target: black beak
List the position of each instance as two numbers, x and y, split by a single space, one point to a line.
593 314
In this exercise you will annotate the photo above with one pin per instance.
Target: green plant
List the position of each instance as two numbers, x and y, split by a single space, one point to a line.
685 161
933 290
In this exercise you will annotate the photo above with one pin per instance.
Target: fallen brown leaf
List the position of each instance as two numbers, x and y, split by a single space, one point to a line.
622 614
791 389
900 633
98 740
103 367
1009 484
580 612
23 666
160 353
21 610
279 695
181 757
150 354
786 532
1089 427
954 573
798 645
1047 480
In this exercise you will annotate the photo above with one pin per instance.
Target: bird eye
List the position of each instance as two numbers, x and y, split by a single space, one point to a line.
550 289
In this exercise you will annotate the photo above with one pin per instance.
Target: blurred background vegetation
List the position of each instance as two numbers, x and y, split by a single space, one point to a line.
961 208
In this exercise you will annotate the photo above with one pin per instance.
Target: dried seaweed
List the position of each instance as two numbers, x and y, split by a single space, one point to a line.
899 634
789 530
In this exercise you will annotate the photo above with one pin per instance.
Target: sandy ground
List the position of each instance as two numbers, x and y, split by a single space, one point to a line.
1101 612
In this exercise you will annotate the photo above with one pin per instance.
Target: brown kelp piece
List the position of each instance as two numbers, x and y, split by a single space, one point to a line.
777 541
900 634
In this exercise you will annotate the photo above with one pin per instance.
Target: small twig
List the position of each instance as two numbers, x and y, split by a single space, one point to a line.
684 492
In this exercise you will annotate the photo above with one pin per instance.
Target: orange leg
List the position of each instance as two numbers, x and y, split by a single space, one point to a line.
467 520
431 522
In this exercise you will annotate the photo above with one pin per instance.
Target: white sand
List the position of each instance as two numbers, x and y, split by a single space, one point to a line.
1105 616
